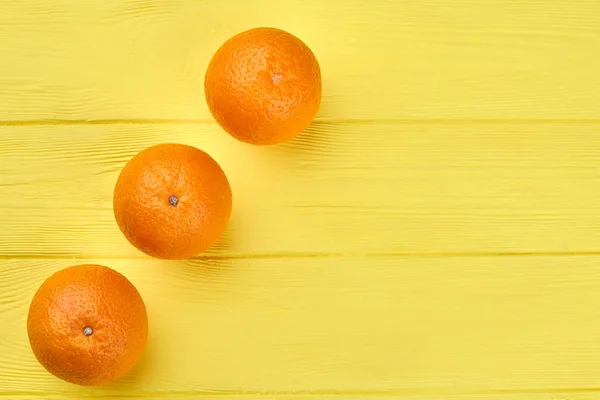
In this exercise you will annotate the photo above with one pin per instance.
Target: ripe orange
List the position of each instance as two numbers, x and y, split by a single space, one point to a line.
263 86
87 325
172 201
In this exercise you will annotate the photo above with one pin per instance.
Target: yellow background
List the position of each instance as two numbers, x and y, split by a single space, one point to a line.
435 234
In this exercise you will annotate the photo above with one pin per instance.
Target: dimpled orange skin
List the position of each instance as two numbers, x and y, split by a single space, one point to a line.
172 201
80 297
263 86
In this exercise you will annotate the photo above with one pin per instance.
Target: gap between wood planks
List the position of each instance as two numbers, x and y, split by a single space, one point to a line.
398 254
415 393
166 121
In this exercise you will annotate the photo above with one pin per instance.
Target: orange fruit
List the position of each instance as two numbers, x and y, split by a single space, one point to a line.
263 86
87 325
172 201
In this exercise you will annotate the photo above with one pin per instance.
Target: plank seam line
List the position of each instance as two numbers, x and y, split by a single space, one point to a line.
320 121
306 393
320 255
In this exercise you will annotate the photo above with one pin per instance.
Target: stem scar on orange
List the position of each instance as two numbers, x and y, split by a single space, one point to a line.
263 86
87 325
172 201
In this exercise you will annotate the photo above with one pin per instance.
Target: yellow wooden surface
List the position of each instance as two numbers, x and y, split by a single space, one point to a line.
435 234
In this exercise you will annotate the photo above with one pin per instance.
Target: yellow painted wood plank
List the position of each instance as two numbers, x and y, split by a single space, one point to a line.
395 325
564 394
340 188
469 59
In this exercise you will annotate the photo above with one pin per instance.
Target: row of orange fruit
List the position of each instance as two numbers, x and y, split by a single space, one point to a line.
87 324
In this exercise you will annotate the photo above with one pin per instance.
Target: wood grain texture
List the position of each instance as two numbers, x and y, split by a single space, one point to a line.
392 59
340 188
434 235
387 325
564 394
